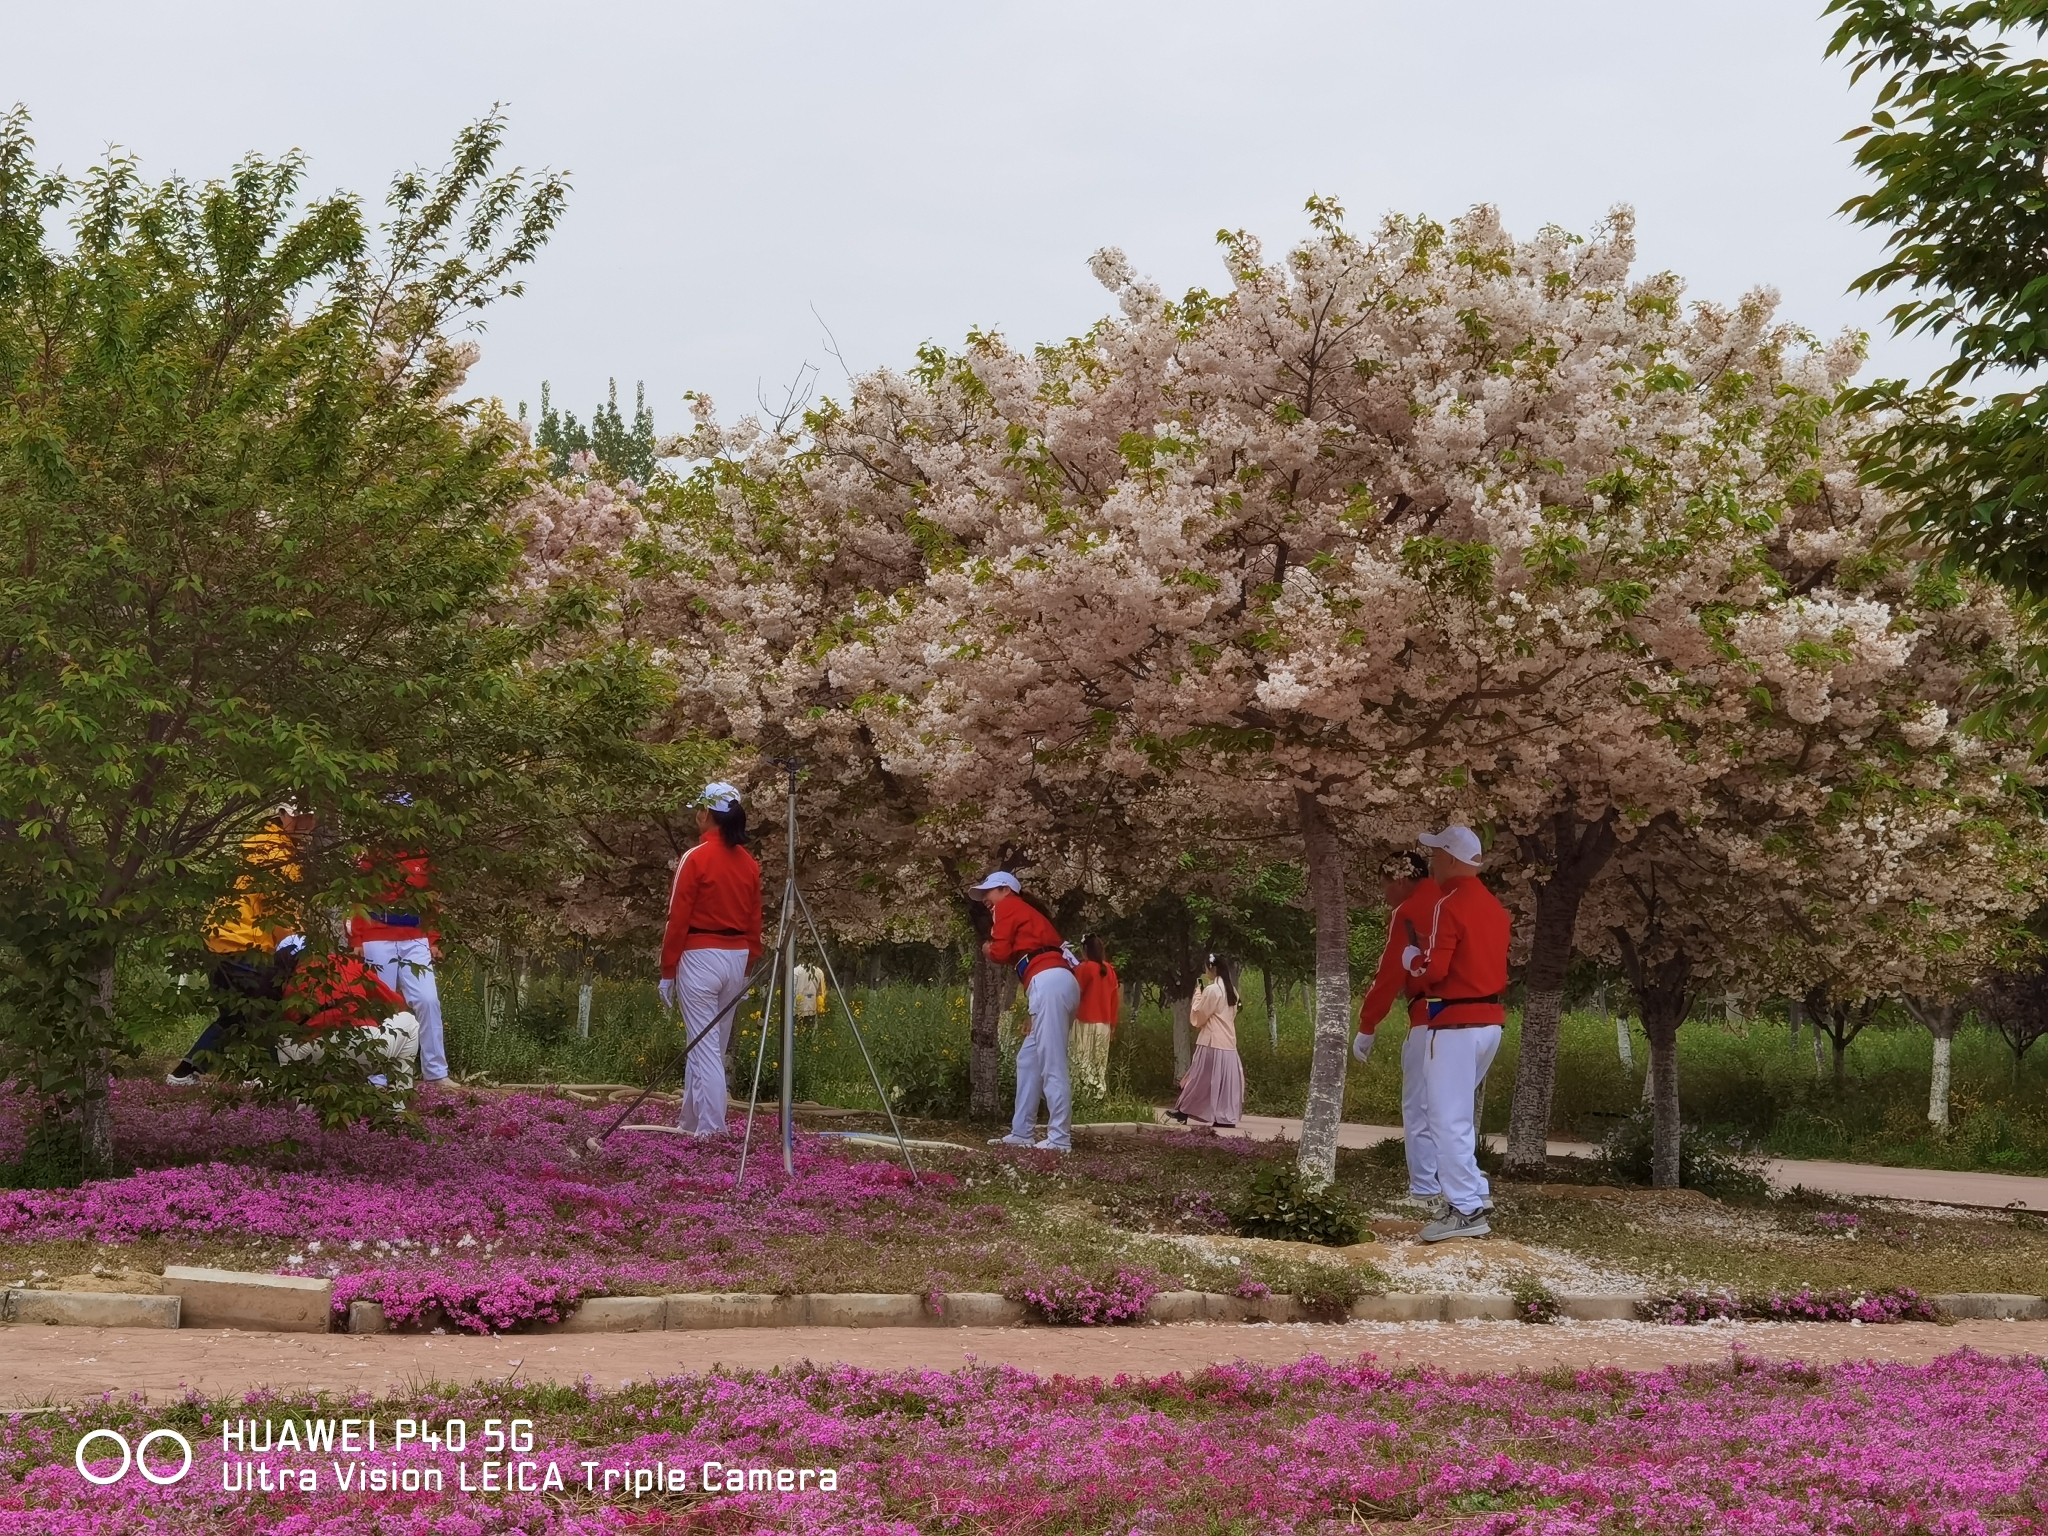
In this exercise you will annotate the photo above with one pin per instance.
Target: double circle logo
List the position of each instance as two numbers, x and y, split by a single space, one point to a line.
137 1457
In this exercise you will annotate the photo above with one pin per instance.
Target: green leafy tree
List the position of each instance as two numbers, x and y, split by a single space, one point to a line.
1958 148
626 450
253 549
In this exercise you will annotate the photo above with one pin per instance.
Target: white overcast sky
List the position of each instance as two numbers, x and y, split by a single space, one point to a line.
911 170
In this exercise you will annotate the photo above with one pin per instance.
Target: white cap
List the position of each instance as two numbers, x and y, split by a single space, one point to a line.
1461 843
719 797
1002 878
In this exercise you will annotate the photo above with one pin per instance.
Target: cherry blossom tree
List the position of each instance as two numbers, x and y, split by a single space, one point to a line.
1436 523
1429 524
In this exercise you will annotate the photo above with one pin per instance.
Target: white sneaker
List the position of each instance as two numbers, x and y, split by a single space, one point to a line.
1051 1146
1011 1141
1436 1207
182 1079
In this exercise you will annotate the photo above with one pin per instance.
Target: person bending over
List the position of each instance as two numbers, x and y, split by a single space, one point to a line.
1022 934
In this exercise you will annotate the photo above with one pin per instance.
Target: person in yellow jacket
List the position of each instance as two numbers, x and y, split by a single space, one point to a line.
254 946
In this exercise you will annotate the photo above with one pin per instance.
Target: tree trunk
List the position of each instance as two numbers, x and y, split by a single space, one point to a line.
1937 1088
1183 1036
1664 1121
1623 1045
1841 1066
1576 851
1272 1018
1795 1011
1663 991
96 1112
1332 1052
984 1053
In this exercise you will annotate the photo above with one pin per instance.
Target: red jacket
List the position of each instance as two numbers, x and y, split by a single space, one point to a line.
400 913
715 902
338 991
1021 928
1391 980
1100 994
1465 957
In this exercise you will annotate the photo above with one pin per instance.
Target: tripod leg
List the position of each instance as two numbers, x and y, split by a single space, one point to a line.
847 1008
774 964
683 1061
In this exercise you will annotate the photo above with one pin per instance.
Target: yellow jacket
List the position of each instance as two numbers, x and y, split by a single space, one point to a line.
251 923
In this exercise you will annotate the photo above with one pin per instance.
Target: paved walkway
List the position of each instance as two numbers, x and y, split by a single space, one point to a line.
1995 1190
42 1365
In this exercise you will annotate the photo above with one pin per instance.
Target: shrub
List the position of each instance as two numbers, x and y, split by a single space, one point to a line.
1687 1307
1068 1297
52 1157
1534 1301
1844 1306
1325 1291
1279 1204
1803 1305
1714 1164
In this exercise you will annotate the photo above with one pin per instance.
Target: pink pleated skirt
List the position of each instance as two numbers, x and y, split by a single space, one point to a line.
1213 1090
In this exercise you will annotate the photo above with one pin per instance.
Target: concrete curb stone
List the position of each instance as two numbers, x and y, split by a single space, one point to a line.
89 1309
613 1314
1988 1306
226 1298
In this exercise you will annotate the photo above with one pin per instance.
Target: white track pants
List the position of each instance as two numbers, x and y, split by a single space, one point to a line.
407 966
1415 1136
1453 1062
706 980
1042 1059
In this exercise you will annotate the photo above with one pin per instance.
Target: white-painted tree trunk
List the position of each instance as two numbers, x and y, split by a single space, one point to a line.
1183 1037
1332 1052
583 1010
1623 1044
1937 1089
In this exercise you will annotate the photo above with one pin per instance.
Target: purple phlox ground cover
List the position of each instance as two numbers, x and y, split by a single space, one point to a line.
505 1216
1953 1448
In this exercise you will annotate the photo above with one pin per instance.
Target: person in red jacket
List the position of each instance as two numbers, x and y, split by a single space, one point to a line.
1095 1020
1461 968
339 991
398 941
1411 896
1022 935
713 939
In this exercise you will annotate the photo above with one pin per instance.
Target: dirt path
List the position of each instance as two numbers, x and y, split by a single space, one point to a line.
1996 1191
40 1365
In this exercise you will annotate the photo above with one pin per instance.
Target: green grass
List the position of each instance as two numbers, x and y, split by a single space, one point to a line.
1745 1077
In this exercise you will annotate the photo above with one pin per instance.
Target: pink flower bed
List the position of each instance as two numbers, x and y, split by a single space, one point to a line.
1072 1299
504 1217
1956 1448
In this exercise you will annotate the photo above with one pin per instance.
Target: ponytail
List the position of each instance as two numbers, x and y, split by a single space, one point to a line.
732 826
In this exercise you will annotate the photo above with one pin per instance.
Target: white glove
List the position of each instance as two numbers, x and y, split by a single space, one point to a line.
1408 958
667 988
1361 1045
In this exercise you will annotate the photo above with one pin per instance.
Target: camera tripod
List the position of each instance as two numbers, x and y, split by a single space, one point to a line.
778 969
782 974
